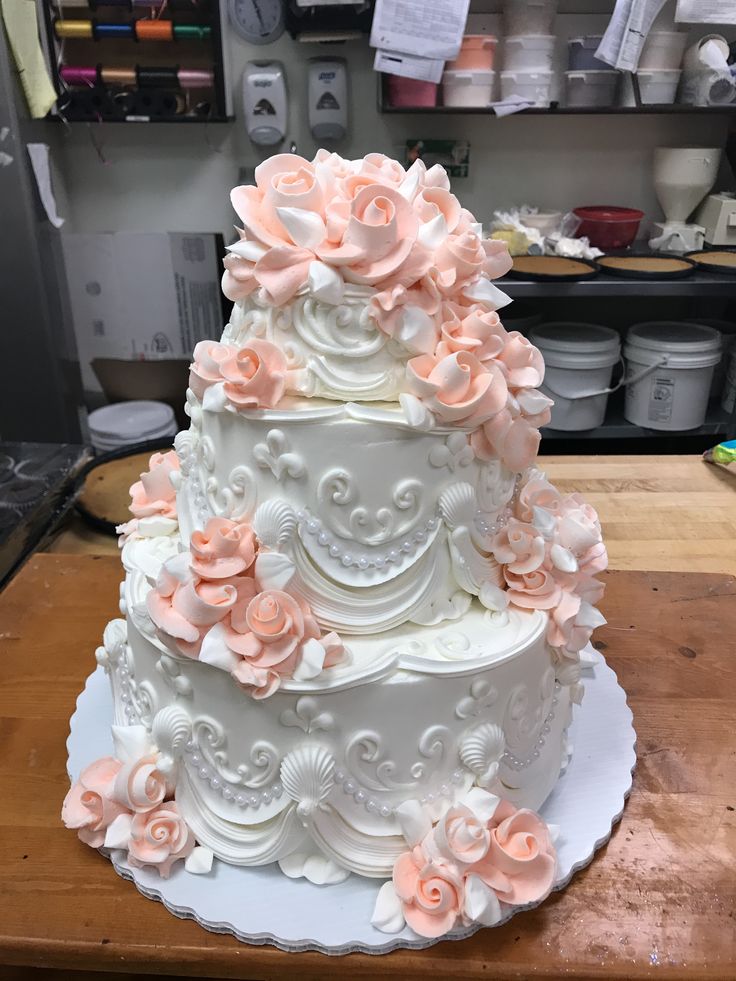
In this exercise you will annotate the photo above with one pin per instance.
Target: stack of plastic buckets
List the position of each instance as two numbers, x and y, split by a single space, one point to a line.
529 49
588 81
469 79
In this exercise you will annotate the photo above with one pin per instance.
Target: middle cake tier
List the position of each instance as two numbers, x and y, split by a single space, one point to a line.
381 523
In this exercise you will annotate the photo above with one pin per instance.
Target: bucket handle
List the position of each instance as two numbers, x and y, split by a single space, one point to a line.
621 383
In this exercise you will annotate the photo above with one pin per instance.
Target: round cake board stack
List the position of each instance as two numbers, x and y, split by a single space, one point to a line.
263 906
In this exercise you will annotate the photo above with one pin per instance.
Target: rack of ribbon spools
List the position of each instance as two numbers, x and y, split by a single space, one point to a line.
134 61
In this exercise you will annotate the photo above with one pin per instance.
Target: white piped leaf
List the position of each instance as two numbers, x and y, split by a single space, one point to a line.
251 251
481 803
131 743
545 522
493 597
325 283
215 651
118 832
312 661
418 333
563 559
274 570
306 228
214 398
199 862
415 412
388 916
413 820
481 902
483 291
433 232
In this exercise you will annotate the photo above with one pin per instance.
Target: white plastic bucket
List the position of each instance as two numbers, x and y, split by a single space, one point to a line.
533 87
662 51
655 88
467 88
125 423
529 53
529 17
669 366
591 88
579 361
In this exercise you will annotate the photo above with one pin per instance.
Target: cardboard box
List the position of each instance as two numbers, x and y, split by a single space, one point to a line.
142 296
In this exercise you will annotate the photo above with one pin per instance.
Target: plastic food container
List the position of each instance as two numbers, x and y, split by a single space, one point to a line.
545 222
581 54
529 53
476 53
125 423
655 87
728 397
408 92
534 87
529 17
669 366
662 51
467 88
579 361
591 88
609 227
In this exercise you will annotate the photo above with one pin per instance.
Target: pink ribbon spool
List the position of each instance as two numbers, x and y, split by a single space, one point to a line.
195 78
78 75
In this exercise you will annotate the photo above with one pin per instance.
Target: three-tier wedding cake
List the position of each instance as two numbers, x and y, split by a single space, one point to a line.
353 606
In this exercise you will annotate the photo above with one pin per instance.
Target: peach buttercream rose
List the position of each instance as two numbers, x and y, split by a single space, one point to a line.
370 238
253 376
184 607
537 491
140 785
89 807
154 493
572 622
458 388
223 549
521 362
430 891
536 590
159 838
462 836
477 331
269 631
521 861
513 433
519 547
462 258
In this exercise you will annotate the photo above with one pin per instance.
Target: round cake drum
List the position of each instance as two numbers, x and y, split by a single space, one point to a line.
260 905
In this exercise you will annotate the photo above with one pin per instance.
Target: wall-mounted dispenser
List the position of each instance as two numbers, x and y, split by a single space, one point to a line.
264 102
328 98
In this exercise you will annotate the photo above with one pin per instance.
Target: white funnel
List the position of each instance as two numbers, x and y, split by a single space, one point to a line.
682 178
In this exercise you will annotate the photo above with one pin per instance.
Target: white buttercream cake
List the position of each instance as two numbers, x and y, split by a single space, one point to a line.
353 607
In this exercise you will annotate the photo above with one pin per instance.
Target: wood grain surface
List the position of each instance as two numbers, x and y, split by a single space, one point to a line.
658 901
673 513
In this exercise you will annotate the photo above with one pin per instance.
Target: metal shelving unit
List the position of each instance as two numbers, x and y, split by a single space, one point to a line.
717 423
700 284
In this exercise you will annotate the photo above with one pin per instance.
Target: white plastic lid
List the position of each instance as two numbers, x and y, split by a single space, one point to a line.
531 40
131 422
527 76
589 41
568 344
674 336
468 76
594 75
676 343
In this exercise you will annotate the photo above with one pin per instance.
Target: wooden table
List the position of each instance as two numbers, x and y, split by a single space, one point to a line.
658 901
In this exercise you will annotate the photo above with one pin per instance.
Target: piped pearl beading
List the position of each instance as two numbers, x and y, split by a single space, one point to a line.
487 528
123 674
352 788
313 527
513 762
254 799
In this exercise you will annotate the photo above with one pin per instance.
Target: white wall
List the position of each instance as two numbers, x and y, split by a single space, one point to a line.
177 177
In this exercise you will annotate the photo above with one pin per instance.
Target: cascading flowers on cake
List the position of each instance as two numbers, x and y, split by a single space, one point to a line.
318 226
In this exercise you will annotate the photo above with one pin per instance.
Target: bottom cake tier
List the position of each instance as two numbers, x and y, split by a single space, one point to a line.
313 776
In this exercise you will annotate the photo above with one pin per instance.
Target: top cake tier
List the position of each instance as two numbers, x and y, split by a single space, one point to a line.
359 280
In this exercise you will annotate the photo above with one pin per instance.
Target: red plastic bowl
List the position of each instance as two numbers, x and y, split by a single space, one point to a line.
609 227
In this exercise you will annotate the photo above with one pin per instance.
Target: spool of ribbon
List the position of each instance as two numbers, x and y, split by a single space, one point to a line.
195 78
78 75
140 76
119 76
154 30
73 28
113 31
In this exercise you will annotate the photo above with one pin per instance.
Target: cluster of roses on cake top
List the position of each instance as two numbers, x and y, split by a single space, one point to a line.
403 236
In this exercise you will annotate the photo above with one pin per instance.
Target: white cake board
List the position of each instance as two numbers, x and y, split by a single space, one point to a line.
263 906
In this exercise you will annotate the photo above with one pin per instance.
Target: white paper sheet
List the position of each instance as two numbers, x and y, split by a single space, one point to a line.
626 32
428 28
39 154
706 11
409 66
